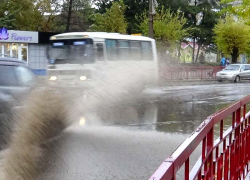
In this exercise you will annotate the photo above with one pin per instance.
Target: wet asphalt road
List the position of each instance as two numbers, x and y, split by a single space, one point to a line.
129 141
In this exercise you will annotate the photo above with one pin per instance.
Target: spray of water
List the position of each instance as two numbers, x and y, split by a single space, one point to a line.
44 116
50 110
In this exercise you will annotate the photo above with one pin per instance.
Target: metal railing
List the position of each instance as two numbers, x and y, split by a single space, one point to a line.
226 157
189 72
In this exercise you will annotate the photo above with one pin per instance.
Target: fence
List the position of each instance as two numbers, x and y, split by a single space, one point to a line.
226 157
189 73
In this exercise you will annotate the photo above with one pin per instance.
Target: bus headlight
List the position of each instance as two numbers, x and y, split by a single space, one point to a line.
83 78
82 121
53 78
52 37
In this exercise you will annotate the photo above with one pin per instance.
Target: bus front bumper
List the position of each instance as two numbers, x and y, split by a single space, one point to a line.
86 84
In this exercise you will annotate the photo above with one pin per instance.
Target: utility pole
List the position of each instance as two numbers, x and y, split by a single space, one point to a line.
195 3
69 15
150 20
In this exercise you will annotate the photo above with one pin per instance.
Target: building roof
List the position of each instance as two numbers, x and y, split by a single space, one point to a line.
184 45
100 35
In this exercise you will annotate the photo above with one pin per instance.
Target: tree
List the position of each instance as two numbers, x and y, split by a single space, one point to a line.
8 20
232 37
21 14
80 16
37 15
111 21
168 26
237 8
103 5
133 8
201 32
49 9
168 29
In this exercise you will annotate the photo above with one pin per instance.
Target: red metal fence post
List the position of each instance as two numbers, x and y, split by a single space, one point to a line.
187 169
232 161
210 143
226 164
237 141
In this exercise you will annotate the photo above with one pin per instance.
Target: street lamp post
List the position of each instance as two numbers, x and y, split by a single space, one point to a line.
150 20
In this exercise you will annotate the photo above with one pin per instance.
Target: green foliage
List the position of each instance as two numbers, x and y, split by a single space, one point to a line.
80 16
21 14
44 15
27 14
111 21
48 10
241 10
133 8
7 20
232 37
168 26
202 32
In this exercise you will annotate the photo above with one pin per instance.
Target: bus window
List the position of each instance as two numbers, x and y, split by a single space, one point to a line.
146 50
124 50
100 52
58 50
135 50
81 51
72 51
111 46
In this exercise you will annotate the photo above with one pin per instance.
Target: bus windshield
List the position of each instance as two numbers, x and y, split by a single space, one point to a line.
73 51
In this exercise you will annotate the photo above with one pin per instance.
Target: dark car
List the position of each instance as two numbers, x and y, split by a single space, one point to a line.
16 80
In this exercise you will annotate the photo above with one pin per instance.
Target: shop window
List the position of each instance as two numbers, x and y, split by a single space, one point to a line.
1 49
24 53
7 49
14 49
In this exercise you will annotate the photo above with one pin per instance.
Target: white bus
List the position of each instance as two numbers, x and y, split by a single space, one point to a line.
107 61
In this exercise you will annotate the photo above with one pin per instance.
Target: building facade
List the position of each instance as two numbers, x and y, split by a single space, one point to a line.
29 46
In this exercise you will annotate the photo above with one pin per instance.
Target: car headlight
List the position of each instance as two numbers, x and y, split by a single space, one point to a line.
83 78
53 78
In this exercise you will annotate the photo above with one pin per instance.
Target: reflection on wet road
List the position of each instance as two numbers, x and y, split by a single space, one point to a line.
130 140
